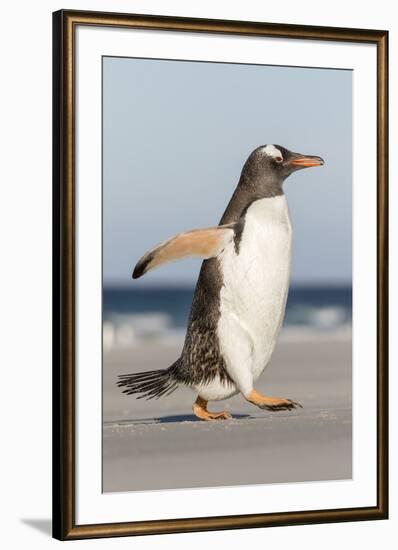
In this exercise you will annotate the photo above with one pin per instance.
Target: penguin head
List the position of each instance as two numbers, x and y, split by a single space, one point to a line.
269 165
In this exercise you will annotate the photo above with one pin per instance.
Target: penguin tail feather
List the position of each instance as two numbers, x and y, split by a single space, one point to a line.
149 384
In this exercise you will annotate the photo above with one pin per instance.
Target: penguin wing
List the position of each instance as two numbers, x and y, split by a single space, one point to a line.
205 243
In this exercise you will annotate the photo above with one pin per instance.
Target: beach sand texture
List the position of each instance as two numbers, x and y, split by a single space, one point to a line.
159 444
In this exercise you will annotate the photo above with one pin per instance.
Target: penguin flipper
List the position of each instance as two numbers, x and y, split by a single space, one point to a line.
205 243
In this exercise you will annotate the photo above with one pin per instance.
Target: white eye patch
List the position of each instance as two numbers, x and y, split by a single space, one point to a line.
272 151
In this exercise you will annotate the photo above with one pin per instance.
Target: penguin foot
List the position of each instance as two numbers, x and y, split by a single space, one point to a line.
272 403
200 410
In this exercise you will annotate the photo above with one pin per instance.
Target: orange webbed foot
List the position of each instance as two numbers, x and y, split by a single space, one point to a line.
200 410
272 403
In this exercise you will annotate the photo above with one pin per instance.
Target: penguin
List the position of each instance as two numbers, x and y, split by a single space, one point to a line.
240 297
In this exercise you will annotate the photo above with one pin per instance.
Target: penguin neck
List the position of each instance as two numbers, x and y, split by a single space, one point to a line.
247 191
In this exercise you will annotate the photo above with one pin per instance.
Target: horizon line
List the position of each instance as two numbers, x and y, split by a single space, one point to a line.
191 286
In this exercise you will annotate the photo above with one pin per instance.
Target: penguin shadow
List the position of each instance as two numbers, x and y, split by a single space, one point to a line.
181 418
177 418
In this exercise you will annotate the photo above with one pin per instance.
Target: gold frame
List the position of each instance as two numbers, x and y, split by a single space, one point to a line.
64 25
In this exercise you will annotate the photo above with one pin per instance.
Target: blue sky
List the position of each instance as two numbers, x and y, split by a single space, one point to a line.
175 137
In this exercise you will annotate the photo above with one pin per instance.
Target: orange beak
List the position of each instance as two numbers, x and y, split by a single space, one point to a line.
305 161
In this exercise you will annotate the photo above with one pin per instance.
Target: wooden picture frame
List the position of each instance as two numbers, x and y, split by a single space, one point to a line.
65 24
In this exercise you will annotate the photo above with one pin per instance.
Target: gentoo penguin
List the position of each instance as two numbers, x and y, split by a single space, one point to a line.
240 297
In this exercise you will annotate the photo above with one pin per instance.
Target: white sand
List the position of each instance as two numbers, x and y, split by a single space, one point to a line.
158 444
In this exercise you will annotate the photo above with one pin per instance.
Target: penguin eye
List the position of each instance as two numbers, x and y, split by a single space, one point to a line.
278 159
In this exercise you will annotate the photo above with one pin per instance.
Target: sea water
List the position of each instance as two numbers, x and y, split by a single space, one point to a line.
130 315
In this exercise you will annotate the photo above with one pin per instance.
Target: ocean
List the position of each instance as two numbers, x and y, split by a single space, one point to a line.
131 314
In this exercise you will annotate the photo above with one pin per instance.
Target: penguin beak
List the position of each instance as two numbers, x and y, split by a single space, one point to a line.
304 161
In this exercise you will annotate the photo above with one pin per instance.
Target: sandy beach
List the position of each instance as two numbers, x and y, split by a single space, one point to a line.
159 444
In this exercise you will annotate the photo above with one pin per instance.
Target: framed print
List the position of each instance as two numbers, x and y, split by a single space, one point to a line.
220 274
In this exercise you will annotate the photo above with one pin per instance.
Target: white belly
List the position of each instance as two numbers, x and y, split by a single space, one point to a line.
256 282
